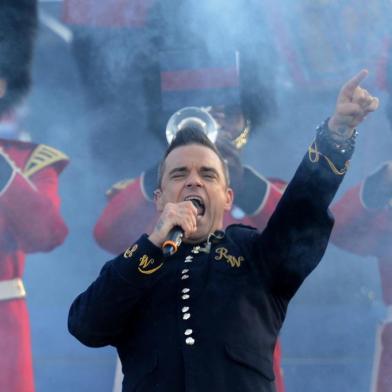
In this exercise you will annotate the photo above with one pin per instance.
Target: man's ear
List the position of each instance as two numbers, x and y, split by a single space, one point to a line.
158 200
3 87
229 199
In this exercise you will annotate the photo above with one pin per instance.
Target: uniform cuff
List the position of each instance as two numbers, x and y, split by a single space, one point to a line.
141 263
336 153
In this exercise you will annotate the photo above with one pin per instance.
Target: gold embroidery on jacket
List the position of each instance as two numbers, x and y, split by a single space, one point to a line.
145 263
130 251
223 253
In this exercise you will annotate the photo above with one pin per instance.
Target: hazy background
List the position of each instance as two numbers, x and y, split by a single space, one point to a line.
311 47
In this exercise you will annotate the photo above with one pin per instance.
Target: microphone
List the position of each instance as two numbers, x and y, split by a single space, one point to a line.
175 236
173 241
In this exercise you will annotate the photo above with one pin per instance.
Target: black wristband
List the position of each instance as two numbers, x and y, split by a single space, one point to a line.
338 151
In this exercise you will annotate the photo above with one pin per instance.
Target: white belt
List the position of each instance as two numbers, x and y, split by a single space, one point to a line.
12 289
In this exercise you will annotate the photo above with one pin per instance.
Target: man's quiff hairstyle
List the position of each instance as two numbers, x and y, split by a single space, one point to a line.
186 137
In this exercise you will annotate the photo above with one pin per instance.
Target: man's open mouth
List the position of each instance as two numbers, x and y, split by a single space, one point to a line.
198 203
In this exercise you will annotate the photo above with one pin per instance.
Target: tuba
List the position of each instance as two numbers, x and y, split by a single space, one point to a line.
195 117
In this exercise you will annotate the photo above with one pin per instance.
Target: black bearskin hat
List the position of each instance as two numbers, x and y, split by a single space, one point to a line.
18 24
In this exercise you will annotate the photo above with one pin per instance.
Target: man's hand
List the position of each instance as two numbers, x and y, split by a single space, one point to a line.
182 214
353 104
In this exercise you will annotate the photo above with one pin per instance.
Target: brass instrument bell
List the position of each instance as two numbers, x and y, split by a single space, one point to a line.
194 117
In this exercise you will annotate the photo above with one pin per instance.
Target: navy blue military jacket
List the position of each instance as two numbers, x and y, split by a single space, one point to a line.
207 318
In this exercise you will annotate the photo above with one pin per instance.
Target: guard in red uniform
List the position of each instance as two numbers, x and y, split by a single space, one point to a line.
363 224
30 220
366 213
116 45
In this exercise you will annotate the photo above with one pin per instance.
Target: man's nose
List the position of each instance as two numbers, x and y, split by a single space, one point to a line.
194 179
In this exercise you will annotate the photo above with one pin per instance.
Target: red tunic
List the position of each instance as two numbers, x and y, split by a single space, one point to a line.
106 13
30 222
368 232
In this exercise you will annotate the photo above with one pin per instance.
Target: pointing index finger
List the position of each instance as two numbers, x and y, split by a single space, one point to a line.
353 83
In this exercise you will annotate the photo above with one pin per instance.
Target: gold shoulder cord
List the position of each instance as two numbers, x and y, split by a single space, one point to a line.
41 157
242 139
314 156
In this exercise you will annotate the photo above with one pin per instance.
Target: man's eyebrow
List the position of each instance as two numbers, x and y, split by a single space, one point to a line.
209 169
181 169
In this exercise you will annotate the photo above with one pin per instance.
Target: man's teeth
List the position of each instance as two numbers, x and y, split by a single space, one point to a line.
198 203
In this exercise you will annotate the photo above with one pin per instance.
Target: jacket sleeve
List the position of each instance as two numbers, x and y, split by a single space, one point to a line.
100 315
30 207
297 234
128 213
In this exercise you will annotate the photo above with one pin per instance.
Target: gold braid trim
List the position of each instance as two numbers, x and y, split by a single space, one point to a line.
242 139
41 157
119 186
314 157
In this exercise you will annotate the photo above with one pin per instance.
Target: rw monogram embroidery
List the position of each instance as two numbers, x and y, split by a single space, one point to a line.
223 254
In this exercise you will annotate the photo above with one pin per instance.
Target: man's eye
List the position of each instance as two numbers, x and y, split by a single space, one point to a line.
177 175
